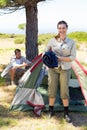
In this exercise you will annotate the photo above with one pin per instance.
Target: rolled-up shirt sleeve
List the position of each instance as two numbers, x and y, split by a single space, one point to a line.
73 52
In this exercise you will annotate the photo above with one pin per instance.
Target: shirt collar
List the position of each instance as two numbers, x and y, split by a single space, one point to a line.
65 41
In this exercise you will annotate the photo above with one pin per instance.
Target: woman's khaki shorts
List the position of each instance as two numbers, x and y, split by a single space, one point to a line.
58 78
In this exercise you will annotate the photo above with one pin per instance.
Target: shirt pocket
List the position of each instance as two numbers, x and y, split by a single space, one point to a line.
65 50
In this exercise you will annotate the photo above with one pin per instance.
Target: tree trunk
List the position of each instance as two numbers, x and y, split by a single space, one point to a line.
31 31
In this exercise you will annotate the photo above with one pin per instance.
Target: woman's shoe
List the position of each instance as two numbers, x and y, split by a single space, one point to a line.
67 118
51 113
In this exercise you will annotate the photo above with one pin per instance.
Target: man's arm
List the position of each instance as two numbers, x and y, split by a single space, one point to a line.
21 65
27 62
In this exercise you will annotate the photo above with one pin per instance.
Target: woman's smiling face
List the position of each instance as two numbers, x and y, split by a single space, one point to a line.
62 29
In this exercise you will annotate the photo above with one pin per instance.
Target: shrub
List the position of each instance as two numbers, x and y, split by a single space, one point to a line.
79 36
44 38
12 35
19 40
40 42
4 35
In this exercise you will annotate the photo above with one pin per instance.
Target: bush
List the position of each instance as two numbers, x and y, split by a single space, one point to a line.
44 38
4 35
11 35
19 40
79 36
40 42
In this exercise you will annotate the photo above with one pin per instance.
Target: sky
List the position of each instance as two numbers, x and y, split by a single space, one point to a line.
50 12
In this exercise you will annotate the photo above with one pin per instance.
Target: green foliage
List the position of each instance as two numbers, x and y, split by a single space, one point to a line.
21 26
11 3
2 81
3 3
4 35
10 35
7 122
15 3
79 36
44 38
19 40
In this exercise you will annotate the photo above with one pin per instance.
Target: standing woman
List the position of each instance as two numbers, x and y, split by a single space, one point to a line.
65 50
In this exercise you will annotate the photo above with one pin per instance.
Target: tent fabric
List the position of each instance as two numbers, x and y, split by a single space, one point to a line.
6 70
36 79
35 99
32 97
81 74
27 78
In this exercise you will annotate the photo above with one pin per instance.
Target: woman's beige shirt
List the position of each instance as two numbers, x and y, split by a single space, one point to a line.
64 48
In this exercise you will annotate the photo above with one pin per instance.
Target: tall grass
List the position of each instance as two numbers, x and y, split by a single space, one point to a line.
79 37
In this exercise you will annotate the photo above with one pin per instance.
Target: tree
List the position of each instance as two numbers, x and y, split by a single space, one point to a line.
31 10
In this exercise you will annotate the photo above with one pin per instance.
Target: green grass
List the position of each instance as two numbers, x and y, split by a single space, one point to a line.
2 81
7 122
84 64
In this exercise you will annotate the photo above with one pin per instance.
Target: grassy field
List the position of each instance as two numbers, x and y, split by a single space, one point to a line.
16 120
